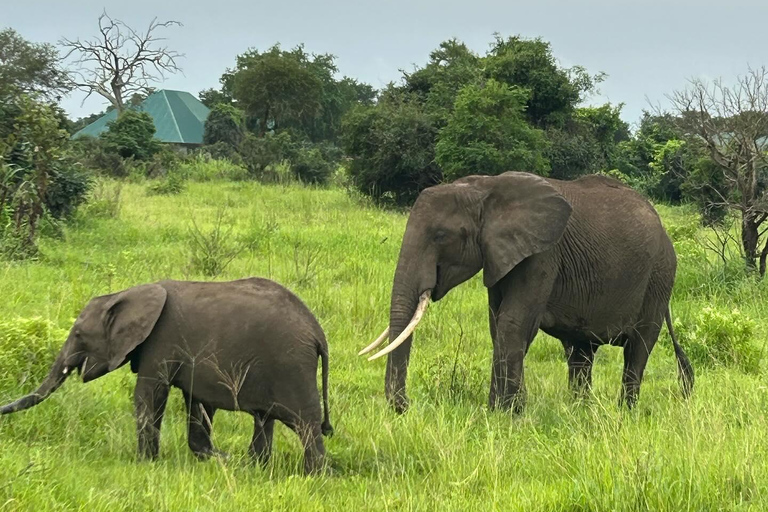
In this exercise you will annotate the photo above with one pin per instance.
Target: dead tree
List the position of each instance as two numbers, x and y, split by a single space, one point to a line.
732 123
120 61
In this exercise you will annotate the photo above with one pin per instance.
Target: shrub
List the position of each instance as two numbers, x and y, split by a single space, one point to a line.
261 153
224 125
132 135
172 183
211 251
203 168
67 189
28 347
104 201
310 165
721 338
161 164
222 151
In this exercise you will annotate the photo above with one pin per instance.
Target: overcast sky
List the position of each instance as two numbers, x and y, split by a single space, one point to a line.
647 48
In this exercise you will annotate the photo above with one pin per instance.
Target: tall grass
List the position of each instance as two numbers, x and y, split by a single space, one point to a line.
448 452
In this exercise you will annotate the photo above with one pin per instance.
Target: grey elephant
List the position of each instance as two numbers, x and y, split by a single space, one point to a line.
248 345
586 261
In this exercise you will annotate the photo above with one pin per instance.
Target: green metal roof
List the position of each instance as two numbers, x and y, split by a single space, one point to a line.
179 117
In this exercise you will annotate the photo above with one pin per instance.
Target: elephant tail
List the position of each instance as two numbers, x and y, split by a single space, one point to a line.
684 367
326 427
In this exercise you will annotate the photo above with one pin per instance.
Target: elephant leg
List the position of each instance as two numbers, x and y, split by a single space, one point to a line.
516 303
314 449
580 359
199 425
636 352
150 397
261 444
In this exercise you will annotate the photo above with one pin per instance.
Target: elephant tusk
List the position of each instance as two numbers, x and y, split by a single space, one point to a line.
376 343
420 309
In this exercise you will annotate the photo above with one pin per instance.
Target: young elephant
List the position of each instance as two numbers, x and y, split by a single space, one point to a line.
248 345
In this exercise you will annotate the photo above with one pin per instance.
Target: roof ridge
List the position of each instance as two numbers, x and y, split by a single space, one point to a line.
173 116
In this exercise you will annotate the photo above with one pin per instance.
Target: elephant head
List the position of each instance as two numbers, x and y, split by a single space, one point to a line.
455 230
108 329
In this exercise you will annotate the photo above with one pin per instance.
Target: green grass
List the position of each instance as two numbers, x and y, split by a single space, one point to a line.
76 450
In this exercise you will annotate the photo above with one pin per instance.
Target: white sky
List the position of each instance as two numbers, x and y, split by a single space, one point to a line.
647 47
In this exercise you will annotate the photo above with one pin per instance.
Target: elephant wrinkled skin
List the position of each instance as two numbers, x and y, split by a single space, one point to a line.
586 261
248 345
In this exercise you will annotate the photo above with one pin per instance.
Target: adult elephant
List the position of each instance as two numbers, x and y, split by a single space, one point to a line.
587 261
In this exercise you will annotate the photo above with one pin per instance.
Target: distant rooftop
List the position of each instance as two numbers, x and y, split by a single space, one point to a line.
179 117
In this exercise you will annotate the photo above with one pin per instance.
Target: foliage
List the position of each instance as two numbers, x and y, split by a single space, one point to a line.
721 338
103 202
211 251
224 124
30 68
172 183
487 134
309 165
131 135
37 175
203 168
530 64
223 151
392 145
28 347
212 97
262 153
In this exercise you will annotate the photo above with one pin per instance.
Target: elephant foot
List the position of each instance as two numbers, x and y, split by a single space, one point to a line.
514 403
399 403
203 455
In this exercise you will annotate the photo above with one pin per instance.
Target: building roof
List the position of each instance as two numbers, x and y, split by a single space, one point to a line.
179 117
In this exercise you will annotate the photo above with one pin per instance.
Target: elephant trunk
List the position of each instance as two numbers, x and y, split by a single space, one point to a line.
410 295
56 377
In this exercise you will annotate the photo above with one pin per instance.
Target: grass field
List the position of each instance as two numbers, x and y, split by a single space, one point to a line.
76 450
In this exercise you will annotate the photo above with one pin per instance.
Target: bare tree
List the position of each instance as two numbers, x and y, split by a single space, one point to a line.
120 61
732 123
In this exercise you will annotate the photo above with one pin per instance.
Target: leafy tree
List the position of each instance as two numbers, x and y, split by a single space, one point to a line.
212 97
530 64
132 135
27 67
225 123
587 142
277 87
487 134
393 148
37 176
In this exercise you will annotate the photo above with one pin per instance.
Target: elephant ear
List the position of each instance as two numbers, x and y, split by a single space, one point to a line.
522 215
129 317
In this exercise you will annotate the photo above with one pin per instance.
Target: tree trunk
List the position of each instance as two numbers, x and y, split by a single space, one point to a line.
749 240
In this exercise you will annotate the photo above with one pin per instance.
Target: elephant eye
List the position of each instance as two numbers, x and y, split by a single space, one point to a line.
440 236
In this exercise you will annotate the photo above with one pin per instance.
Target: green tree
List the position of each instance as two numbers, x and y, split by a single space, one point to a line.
530 64
392 145
487 134
27 67
277 87
132 135
37 176
225 123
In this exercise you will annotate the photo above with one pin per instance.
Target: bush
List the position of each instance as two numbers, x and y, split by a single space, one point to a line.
222 151
224 125
67 190
104 201
309 165
262 153
203 168
132 135
211 251
392 146
161 164
28 347
720 338
172 183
